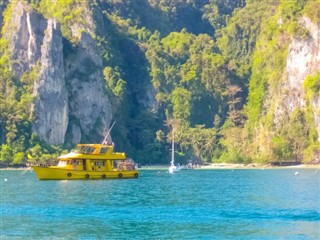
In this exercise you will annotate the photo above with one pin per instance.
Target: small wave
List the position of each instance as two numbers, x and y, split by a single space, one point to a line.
309 216
303 216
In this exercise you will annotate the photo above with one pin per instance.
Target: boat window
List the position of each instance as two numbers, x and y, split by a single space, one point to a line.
84 149
78 149
62 163
99 163
104 149
88 150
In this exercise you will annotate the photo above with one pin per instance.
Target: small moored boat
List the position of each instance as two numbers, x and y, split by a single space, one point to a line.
89 161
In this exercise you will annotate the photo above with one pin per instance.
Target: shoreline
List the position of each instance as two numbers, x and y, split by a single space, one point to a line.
259 166
217 166
212 166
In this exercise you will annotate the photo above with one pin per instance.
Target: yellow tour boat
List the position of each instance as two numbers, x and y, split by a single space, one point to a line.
89 161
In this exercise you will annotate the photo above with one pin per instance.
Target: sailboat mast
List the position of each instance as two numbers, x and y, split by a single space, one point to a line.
172 153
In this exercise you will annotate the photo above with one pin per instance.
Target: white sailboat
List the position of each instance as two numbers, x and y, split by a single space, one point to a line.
172 167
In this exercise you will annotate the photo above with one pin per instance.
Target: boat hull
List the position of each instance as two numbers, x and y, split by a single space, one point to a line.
54 173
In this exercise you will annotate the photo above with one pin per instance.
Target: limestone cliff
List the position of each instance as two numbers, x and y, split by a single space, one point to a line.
51 97
88 101
25 35
303 60
69 83
37 41
89 107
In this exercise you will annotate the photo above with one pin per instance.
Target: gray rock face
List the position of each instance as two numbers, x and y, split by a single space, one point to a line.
25 36
51 103
303 60
35 40
88 101
150 98
71 88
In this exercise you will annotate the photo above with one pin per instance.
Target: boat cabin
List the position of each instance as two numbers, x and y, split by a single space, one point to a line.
94 157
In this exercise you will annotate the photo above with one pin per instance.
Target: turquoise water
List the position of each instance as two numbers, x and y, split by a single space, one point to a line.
199 204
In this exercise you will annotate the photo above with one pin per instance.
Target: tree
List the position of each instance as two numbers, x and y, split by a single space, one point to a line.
18 158
6 153
181 104
231 93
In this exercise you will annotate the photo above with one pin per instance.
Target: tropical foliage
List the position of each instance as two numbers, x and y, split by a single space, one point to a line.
212 68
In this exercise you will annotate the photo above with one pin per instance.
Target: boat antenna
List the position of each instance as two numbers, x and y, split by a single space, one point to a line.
106 137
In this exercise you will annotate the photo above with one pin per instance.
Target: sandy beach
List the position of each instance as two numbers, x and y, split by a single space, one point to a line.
212 166
236 166
255 166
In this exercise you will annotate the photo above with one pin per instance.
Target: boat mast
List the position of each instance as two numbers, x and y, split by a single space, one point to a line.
106 137
172 153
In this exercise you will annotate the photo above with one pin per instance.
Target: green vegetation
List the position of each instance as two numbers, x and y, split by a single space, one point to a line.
73 15
16 103
212 70
269 139
312 10
312 85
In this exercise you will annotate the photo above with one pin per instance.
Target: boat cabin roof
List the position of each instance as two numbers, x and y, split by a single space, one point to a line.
92 148
94 151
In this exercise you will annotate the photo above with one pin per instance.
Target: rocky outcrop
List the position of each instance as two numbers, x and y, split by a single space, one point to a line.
75 72
149 100
25 34
315 67
51 102
33 41
88 101
303 60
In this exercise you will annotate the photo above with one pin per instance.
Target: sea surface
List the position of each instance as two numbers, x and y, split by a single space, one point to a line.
191 204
